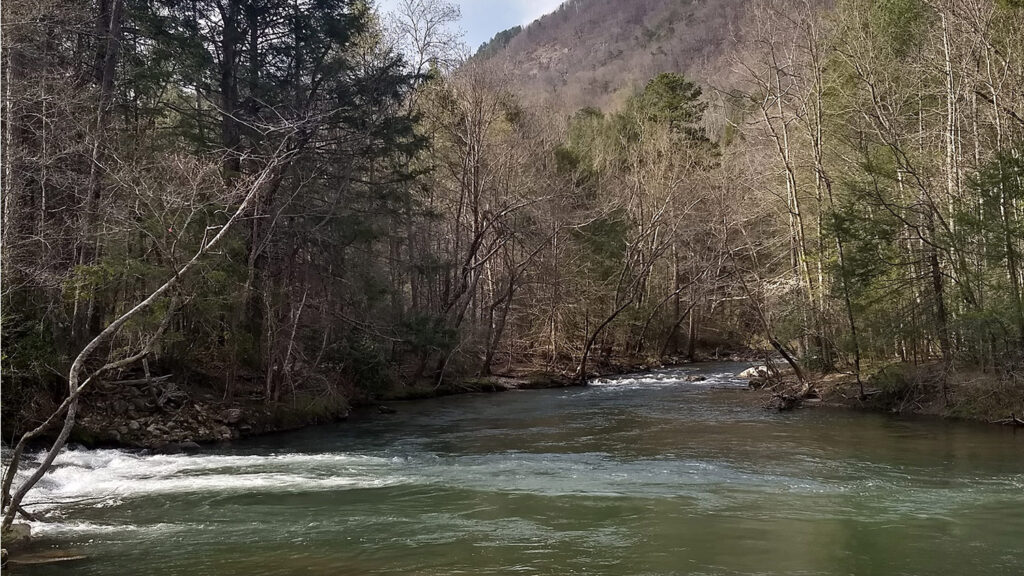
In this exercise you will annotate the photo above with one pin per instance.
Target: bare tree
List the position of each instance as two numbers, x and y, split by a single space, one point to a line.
80 376
424 31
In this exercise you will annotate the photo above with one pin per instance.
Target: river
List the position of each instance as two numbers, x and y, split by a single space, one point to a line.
638 475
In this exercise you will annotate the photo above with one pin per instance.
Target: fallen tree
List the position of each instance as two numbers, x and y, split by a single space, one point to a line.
78 379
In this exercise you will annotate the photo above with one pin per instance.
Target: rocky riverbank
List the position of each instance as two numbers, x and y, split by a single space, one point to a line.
159 415
141 417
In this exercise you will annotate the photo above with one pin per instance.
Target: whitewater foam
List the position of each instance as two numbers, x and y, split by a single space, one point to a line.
667 379
75 529
99 478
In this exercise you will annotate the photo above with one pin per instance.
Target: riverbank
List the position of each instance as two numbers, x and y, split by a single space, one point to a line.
141 414
164 417
906 389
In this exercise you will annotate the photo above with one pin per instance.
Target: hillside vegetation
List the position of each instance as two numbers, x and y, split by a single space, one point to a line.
597 52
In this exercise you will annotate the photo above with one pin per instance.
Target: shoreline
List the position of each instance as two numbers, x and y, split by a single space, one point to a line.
205 421
134 423
897 390
915 390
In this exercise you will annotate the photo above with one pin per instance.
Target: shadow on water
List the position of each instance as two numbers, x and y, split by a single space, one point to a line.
643 474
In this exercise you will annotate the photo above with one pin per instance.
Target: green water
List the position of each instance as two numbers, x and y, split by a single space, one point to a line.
643 475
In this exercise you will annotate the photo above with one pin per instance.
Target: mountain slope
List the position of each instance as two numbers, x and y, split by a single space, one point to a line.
595 52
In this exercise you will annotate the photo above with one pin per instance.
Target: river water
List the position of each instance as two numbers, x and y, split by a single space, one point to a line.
639 475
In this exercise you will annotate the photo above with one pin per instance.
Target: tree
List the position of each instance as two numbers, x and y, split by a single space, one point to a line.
80 377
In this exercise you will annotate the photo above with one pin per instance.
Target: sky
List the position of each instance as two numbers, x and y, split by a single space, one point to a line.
482 19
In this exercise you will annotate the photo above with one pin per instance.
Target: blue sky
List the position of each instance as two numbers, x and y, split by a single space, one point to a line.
482 19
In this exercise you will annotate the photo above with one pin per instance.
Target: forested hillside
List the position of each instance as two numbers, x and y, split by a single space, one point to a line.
279 204
597 52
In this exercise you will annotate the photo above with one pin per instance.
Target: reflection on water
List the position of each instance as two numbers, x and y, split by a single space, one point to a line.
634 475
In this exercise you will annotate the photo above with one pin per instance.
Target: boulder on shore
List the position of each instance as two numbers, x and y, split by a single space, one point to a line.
763 372
16 536
755 372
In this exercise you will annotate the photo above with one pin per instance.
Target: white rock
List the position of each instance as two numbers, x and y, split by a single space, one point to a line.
755 372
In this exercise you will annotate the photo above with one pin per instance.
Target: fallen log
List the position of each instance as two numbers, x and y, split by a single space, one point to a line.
791 397
1013 420
139 381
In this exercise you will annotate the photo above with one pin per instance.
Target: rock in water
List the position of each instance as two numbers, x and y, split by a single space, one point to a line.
386 409
177 448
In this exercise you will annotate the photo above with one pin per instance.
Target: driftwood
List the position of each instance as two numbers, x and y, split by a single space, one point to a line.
792 397
1013 420
139 381
172 396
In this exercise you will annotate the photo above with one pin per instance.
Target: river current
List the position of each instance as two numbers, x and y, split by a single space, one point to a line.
638 475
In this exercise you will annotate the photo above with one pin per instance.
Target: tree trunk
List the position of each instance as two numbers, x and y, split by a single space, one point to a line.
77 385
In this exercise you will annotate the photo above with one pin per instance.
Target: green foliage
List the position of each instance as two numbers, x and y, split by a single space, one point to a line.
673 100
427 333
900 25
498 43
604 244
31 362
29 351
999 186
363 361
896 382
587 128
